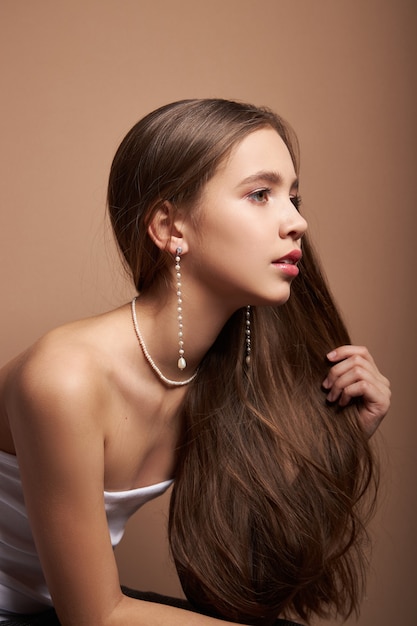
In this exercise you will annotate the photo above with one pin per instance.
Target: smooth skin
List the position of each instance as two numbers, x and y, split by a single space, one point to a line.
84 412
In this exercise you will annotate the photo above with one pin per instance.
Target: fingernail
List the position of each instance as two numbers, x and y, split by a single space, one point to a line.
325 383
331 354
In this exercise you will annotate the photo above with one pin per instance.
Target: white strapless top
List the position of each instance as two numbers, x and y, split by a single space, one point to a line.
22 584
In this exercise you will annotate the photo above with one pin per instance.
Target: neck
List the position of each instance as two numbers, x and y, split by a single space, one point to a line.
158 322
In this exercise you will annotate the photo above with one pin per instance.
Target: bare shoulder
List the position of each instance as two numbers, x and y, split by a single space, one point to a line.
64 362
83 392
66 373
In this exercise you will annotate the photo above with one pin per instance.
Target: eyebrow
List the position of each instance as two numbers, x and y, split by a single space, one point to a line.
273 178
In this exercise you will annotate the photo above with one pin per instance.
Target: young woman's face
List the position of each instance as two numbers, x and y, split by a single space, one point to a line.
247 238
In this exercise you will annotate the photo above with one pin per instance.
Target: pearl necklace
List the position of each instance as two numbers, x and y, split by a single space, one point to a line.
162 378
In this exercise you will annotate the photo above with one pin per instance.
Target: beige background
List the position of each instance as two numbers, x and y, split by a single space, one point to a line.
77 74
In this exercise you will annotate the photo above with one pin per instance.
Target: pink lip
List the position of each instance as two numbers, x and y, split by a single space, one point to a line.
292 257
288 263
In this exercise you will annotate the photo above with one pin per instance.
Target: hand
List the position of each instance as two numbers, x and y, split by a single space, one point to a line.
355 375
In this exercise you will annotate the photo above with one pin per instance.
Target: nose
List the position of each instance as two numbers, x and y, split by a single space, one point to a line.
293 225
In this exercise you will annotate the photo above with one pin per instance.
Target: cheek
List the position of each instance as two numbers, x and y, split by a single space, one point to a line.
218 235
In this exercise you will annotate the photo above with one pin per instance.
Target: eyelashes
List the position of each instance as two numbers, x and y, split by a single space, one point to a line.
296 200
261 196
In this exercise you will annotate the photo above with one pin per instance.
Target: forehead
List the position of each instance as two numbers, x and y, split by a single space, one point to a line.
262 150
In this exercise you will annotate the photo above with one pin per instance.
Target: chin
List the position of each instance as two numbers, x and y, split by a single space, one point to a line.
273 300
282 301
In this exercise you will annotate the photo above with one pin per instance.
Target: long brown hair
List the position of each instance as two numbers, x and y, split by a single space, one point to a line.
268 508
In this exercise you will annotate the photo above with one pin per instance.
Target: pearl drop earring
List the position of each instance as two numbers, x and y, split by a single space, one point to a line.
182 363
247 335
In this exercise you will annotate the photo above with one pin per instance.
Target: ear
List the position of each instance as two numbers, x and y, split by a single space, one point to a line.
166 228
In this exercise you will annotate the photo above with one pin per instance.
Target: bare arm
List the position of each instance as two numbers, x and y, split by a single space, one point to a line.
56 409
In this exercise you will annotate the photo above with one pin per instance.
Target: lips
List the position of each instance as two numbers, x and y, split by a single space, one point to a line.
287 264
291 258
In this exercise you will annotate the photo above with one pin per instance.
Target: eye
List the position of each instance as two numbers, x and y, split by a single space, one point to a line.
261 196
296 200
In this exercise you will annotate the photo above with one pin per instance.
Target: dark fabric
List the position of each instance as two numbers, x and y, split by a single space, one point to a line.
180 604
46 618
49 618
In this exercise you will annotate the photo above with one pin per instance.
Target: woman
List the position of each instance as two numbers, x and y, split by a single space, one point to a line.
226 388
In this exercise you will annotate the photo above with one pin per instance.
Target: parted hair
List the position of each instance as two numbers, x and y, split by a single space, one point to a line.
273 485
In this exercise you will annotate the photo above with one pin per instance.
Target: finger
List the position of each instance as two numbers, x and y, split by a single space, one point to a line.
356 364
360 389
356 374
343 352
376 397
